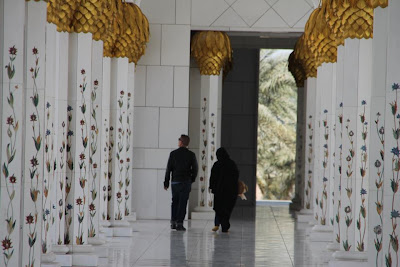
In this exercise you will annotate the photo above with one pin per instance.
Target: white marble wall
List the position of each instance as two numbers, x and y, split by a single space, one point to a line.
161 111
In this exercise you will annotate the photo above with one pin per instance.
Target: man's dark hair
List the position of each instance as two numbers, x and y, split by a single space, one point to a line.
185 139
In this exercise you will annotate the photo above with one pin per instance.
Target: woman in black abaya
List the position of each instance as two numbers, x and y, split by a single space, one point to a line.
224 185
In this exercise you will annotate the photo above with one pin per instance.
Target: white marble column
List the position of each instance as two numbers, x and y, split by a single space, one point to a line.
306 214
377 139
105 110
118 114
80 51
391 196
211 91
62 188
323 231
95 124
338 159
130 215
35 185
50 136
356 115
12 109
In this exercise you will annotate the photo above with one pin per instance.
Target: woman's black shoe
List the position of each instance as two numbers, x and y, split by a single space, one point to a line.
180 228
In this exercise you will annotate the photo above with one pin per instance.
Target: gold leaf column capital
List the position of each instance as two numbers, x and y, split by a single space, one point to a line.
212 51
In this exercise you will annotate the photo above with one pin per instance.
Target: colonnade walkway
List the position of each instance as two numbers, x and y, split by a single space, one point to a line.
267 235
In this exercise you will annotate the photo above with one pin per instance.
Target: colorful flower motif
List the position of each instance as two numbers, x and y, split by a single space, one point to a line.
382 130
395 214
10 120
83 71
12 50
69 206
34 162
69 108
82 122
92 207
35 51
395 151
378 230
325 111
363 102
347 209
119 195
6 243
325 179
363 191
377 163
13 180
79 201
395 86
48 132
364 148
29 219
82 156
96 82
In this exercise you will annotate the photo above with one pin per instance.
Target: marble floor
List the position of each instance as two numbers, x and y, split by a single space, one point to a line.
266 235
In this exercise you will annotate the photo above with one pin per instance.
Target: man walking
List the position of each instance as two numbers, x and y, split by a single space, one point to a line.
182 164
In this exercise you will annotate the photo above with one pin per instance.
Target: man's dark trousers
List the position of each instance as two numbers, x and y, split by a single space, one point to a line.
180 196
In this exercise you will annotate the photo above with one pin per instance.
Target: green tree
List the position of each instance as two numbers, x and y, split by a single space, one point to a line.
277 112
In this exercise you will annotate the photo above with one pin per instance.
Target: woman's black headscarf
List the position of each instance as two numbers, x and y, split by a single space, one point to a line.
222 154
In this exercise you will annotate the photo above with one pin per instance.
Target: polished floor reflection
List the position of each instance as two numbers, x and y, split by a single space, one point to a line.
264 236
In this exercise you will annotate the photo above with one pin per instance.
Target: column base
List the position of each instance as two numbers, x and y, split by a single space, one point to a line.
321 233
304 216
64 260
83 255
131 218
202 213
96 241
347 258
61 257
121 228
49 260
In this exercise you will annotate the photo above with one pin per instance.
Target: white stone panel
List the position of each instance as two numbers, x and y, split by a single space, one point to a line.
250 10
270 19
181 86
144 193
183 11
302 22
157 11
163 197
139 96
271 2
291 10
205 12
175 48
159 86
194 127
230 2
145 125
151 158
153 49
173 123
230 19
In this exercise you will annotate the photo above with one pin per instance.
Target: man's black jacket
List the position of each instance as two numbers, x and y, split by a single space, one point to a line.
183 165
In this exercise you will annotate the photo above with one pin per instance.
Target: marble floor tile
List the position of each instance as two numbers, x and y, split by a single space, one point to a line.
263 236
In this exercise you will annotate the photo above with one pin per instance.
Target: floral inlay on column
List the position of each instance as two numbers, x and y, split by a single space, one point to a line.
110 171
68 182
380 131
362 215
338 212
203 146
308 186
80 202
10 179
62 196
394 183
120 159
324 197
48 154
105 176
212 155
35 162
94 133
128 159
349 187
